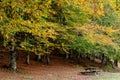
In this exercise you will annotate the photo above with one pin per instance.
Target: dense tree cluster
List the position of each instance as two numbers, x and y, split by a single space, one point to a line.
85 27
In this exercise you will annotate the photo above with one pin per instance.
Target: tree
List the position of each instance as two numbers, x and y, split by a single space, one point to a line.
41 26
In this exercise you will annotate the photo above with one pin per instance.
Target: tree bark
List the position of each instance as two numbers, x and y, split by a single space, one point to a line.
18 56
102 57
67 56
91 58
115 64
48 59
12 56
28 58
39 58
107 62
78 55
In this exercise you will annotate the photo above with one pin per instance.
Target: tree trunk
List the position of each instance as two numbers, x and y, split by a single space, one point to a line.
107 62
39 58
1 55
87 56
115 63
12 56
18 56
91 58
28 58
48 59
67 56
102 57
79 56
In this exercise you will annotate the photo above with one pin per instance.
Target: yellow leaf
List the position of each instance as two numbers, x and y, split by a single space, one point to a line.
1 17
6 35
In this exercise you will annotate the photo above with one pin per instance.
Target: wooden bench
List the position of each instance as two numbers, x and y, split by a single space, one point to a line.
90 71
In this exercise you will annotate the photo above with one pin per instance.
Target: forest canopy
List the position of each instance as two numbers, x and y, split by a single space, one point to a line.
42 26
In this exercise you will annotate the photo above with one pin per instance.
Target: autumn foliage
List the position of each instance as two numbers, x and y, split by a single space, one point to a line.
42 26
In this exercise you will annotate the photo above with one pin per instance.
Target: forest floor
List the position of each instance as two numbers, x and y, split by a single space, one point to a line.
59 69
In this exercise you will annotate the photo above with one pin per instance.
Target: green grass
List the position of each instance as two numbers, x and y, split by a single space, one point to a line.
11 79
28 77
113 76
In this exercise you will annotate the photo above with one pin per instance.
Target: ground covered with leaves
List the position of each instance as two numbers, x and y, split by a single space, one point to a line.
59 69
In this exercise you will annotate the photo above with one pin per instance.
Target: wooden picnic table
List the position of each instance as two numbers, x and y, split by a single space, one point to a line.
92 70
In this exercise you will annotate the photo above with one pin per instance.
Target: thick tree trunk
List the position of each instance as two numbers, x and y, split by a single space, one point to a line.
12 56
28 58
